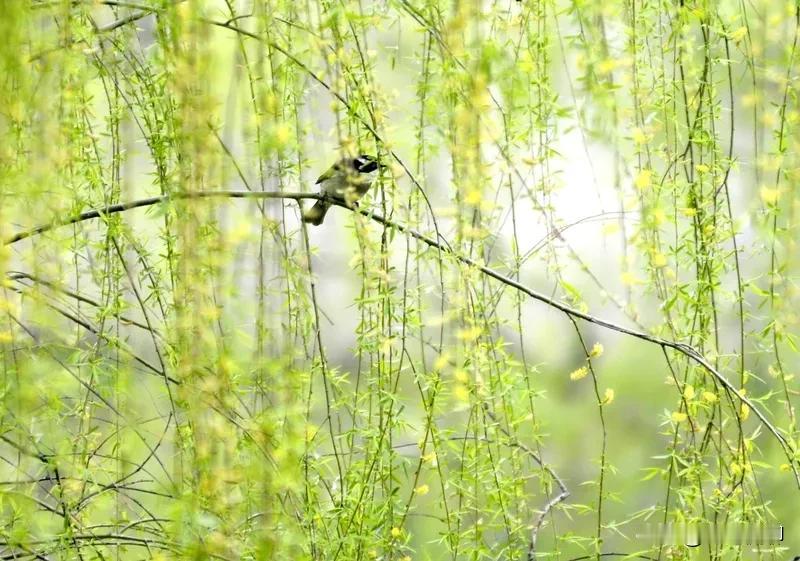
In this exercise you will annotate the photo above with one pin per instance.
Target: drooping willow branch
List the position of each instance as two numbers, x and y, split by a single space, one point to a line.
445 249
563 492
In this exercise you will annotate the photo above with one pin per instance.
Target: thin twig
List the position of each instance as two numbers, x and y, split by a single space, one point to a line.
445 248
549 505
122 207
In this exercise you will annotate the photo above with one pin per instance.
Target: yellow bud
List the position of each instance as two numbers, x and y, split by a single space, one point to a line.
769 196
441 362
639 137
745 412
579 373
629 279
678 417
643 179
469 334
473 198
282 134
738 34
606 66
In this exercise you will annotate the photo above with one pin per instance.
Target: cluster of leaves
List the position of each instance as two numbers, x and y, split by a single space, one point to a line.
198 377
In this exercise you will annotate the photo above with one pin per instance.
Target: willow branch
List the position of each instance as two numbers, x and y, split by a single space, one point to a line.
690 352
122 207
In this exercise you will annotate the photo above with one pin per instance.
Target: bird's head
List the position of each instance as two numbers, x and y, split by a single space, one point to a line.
365 163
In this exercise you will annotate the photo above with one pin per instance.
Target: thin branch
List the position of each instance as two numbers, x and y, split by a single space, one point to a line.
445 248
122 207
549 505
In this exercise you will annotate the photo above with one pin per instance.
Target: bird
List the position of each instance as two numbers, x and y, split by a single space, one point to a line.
348 180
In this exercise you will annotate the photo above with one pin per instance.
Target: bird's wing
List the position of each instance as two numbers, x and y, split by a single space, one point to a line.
328 174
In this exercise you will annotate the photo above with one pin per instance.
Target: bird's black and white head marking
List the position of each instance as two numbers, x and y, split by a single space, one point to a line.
365 163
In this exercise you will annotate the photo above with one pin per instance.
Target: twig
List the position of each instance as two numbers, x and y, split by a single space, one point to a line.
562 495
122 207
445 248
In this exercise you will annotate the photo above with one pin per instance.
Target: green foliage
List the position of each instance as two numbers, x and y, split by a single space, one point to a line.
574 190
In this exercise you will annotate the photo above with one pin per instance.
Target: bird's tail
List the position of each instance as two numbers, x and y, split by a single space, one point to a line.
316 214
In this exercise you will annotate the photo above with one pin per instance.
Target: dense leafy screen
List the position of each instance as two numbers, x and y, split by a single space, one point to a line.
566 310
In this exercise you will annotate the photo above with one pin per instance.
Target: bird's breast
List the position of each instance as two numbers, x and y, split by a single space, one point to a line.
346 185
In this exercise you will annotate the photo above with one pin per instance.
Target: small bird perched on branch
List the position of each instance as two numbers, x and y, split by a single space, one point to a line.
348 180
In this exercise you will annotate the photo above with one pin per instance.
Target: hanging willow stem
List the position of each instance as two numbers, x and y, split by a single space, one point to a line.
687 350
